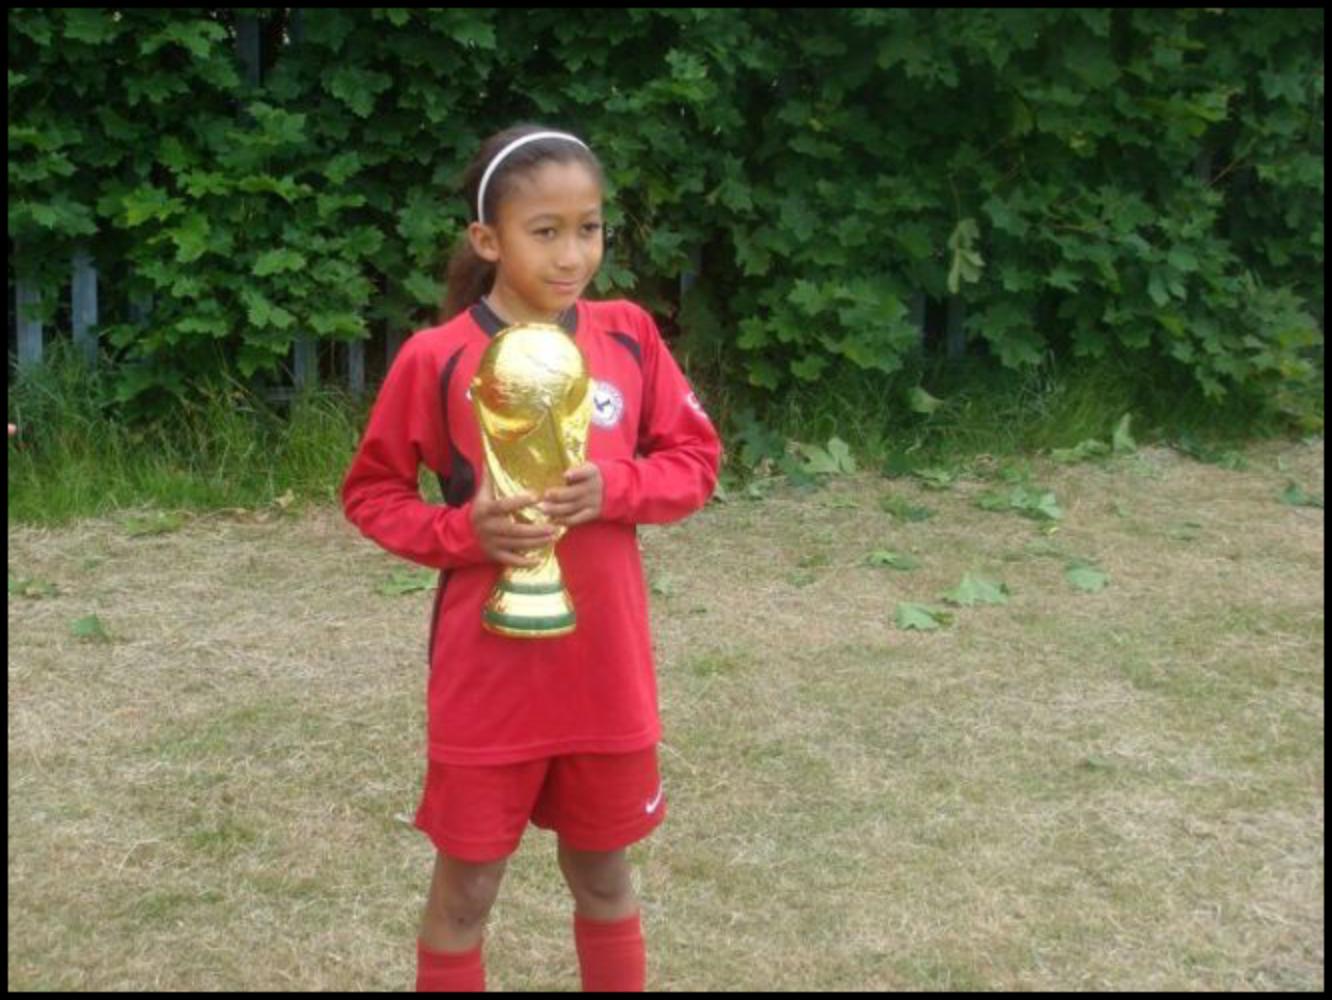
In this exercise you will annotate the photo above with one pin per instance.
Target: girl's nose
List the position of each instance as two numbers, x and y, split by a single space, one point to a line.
568 255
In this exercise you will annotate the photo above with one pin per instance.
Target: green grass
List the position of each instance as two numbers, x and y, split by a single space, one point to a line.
222 447
989 410
1117 791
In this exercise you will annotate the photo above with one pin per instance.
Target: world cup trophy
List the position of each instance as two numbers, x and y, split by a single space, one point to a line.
533 402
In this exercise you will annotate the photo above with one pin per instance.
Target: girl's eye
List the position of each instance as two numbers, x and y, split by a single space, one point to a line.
549 232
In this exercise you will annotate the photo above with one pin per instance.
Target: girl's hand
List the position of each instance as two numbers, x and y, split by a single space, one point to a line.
505 540
579 501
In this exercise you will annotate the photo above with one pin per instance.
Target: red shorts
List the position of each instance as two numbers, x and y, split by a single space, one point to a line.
595 802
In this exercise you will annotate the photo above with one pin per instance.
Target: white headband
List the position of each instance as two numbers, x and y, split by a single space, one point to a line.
485 178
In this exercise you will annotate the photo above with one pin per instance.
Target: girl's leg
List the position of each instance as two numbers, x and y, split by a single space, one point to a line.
608 932
601 882
448 953
461 896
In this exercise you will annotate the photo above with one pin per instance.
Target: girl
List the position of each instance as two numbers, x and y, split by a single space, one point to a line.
558 731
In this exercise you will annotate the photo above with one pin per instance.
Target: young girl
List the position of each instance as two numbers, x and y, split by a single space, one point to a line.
558 731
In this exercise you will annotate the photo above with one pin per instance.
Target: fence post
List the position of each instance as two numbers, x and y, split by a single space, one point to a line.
307 362
392 345
306 356
918 316
689 276
247 47
141 309
957 337
28 299
356 367
83 303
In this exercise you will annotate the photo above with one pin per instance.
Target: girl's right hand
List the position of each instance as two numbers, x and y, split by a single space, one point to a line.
505 540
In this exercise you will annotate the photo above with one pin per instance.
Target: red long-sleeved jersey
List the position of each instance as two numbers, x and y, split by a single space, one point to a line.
499 700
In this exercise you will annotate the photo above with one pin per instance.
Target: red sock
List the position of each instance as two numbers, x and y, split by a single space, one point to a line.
442 972
612 957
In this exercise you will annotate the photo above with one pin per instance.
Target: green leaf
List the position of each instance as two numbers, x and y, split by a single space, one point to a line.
834 460
423 288
1086 577
1185 531
1182 259
263 313
357 88
936 478
89 629
903 509
921 401
1040 505
191 237
921 617
967 262
474 32
93 25
817 461
343 167
1156 287
893 560
25 587
277 261
809 367
1295 496
147 202
1044 508
407 582
841 455
975 590
1063 277
1123 442
1081 452
663 585
157 523
808 297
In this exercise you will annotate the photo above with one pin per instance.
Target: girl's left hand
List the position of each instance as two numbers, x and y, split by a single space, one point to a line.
577 502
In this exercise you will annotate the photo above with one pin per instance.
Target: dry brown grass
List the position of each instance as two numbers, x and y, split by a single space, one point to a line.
1111 791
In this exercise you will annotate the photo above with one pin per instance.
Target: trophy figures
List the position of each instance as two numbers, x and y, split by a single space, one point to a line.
533 402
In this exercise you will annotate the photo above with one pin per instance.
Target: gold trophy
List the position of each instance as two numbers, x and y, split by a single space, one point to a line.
533 403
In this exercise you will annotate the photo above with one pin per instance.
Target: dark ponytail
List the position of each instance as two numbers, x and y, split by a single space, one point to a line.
468 276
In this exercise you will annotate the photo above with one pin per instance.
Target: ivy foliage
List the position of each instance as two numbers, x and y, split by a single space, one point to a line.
1085 181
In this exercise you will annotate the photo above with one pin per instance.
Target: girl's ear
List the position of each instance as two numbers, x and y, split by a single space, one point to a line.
485 241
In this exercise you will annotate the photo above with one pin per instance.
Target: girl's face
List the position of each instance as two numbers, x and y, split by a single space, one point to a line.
546 243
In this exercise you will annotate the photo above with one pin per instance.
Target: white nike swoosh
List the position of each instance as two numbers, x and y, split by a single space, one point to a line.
652 806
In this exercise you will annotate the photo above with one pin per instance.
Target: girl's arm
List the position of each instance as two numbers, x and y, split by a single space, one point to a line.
381 493
681 452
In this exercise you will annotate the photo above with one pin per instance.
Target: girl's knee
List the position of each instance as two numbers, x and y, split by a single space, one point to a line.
465 892
601 876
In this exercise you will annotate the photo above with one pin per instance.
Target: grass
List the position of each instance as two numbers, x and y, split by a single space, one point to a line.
223 447
1110 791
985 409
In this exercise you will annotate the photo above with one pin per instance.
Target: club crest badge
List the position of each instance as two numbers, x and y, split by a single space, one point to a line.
607 404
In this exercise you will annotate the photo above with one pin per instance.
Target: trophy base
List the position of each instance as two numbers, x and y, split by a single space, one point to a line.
529 610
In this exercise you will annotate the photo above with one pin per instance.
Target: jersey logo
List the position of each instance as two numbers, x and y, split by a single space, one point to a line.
652 806
696 406
607 404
